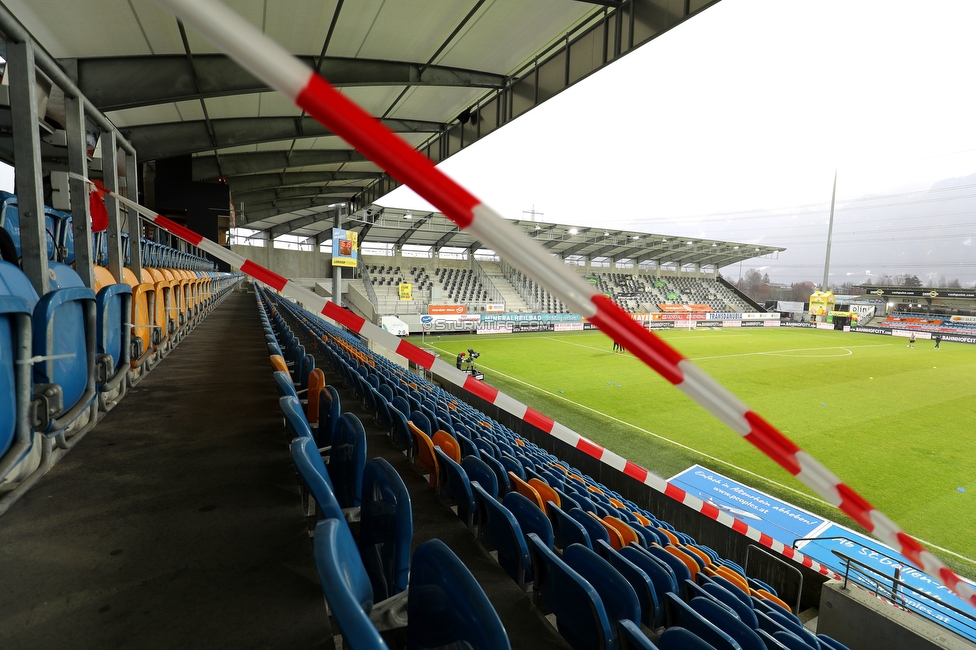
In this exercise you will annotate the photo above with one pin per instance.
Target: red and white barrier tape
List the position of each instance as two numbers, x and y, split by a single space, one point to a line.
273 65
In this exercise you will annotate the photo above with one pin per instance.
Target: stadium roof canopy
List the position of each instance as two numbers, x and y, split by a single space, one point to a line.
434 231
442 73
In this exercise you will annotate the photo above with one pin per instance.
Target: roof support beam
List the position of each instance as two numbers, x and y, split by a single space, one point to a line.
255 213
420 221
295 224
237 164
301 192
154 141
242 186
169 78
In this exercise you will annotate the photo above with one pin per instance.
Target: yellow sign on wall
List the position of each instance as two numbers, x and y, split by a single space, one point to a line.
406 291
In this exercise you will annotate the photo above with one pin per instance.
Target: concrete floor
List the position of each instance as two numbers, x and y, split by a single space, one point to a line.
176 522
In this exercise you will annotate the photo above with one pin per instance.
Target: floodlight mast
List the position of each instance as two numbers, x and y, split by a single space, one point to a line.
830 232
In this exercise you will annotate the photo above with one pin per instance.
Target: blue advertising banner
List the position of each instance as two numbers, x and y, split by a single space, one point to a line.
883 559
780 520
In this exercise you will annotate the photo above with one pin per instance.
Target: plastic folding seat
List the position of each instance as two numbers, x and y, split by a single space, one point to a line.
313 475
113 305
773 621
284 384
680 614
346 584
504 486
660 573
678 566
330 408
316 384
531 519
591 524
630 637
386 529
580 614
546 493
791 641
421 421
15 378
347 460
468 448
644 589
488 448
829 643
447 444
424 455
618 596
478 470
458 487
400 432
295 420
520 486
513 465
498 528
567 530
727 621
143 332
727 598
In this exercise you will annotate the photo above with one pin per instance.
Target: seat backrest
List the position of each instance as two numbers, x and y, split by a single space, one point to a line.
468 448
312 471
580 615
113 303
347 460
680 614
64 321
627 534
15 390
426 459
316 382
400 431
284 384
386 529
619 597
479 470
678 638
630 637
345 584
295 420
499 529
446 607
401 405
487 448
660 574
722 618
329 409
447 444
646 593
504 486
531 518
525 489
567 530
422 422
679 568
723 595
593 527
546 493
511 464
458 486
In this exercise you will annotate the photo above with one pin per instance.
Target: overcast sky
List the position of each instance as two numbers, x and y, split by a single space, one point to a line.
731 126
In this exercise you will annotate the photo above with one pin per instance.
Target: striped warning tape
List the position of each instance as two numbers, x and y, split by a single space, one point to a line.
272 64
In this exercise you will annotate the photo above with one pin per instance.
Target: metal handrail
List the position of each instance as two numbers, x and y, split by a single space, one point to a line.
776 558
494 294
368 283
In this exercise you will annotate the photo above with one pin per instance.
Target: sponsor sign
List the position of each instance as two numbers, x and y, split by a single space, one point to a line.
885 560
958 338
809 326
963 319
772 323
751 323
780 520
683 307
542 318
445 324
922 293
906 334
345 247
405 291
872 330
567 327
447 309
659 324
495 307
825 326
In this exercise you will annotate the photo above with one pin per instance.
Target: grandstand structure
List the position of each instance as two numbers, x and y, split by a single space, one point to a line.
169 433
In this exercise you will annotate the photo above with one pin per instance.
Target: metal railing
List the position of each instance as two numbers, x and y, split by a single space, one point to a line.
494 295
370 291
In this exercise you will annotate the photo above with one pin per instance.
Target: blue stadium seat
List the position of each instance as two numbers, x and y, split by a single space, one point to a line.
458 487
724 619
566 530
478 470
15 379
678 638
650 606
504 485
618 596
330 407
346 584
681 571
422 422
594 528
347 460
385 529
531 518
113 304
295 420
284 384
498 529
400 432
311 471
678 613
792 642
723 595
829 643
446 606
468 448
580 615
487 448
630 637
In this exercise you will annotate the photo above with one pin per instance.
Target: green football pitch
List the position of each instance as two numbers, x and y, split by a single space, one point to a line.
896 424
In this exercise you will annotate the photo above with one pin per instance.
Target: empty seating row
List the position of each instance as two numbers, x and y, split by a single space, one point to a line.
71 353
611 572
377 593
